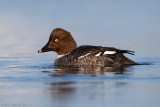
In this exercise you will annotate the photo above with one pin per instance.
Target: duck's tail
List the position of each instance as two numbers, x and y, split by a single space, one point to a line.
126 51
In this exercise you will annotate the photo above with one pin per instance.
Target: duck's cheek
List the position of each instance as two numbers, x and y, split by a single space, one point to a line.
54 47
57 50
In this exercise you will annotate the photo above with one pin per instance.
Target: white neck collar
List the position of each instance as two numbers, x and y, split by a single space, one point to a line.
59 56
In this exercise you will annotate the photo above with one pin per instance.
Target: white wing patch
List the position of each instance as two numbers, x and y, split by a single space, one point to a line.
106 52
109 52
84 55
98 54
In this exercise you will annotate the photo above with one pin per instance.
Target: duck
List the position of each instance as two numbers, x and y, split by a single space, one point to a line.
62 42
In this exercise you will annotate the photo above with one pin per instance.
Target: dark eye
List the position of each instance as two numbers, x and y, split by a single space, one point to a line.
56 40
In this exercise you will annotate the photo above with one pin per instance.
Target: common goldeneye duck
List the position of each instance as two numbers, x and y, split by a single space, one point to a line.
62 42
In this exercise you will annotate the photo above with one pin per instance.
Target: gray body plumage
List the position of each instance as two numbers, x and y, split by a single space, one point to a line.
95 56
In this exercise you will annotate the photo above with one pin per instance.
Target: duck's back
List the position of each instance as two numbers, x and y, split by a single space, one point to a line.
95 56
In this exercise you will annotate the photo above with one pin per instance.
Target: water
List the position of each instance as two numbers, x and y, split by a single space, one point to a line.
35 82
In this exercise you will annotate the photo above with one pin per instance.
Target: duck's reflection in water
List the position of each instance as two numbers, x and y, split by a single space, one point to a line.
69 89
93 71
60 91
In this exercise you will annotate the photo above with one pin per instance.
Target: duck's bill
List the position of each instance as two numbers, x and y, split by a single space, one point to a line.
40 51
46 48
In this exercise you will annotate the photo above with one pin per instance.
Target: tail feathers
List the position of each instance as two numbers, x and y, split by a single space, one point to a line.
127 51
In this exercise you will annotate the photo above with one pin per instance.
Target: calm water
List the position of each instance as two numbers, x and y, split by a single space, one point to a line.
35 82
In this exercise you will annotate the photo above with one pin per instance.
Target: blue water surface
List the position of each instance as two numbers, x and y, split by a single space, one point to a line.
36 82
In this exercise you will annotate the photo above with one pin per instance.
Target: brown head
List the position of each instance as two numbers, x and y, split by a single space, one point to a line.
60 41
